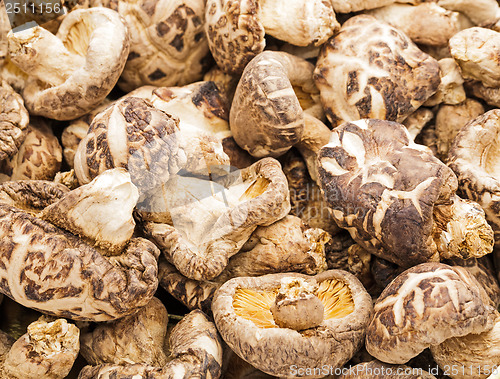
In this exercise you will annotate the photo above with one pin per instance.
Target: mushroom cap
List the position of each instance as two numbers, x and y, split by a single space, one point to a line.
39 156
372 70
13 121
241 309
31 195
348 6
478 354
380 370
474 158
383 187
132 134
77 281
99 35
476 50
168 45
138 338
491 95
213 219
451 89
234 32
195 352
424 306
266 116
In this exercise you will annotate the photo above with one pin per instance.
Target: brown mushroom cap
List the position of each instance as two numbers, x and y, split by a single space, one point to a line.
47 350
396 199
424 306
13 121
195 352
475 49
89 53
241 309
168 46
77 281
372 70
380 370
138 338
226 213
474 158
266 116
39 156
473 355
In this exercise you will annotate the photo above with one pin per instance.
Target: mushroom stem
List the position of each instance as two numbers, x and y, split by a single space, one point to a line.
42 55
297 306
461 230
315 135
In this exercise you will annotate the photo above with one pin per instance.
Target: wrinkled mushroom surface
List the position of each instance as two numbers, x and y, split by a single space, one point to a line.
72 72
13 121
242 313
396 199
380 370
424 306
195 352
372 70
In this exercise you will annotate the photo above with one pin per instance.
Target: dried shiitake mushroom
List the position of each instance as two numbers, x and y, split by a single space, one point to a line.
138 338
134 135
71 72
396 198
450 119
47 350
323 319
205 222
478 11
471 356
77 281
13 121
474 158
476 50
236 29
380 370
195 352
39 156
451 89
418 120
491 95
168 46
348 6
424 306
425 23
372 70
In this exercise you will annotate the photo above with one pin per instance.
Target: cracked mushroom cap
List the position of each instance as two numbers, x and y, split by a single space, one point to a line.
236 28
72 72
477 51
168 45
396 198
267 113
474 159
195 352
47 350
372 70
424 306
39 156
226 213
132 134
334 310
138 338
13 121
477 354
77 281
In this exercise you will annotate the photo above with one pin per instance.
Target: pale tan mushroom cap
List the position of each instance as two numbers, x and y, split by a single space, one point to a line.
477 50
451 89
478 11
424 306
13 121
39 156
168 45
138 338
266 116
372 70
195 352
241 309
380 370
47 350
474 158
475 355
96 44
348 6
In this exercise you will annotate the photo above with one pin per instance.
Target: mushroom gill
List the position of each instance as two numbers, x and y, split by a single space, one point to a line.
78 38
255 306
258 187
